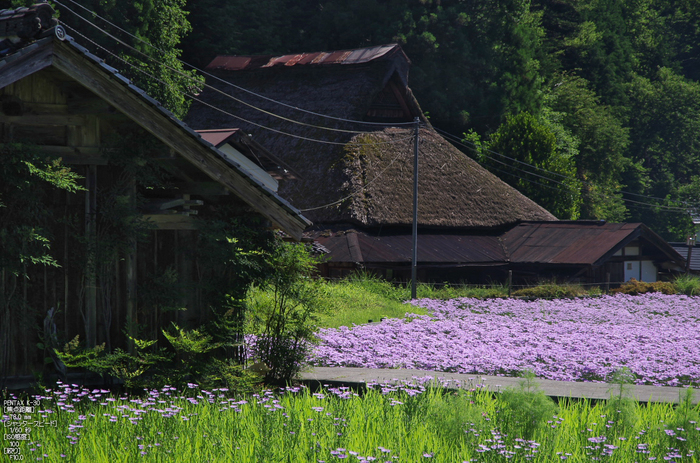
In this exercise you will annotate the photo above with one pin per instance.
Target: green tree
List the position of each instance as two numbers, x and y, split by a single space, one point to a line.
472 61
665 141
551 182
152 59
284 318
603 141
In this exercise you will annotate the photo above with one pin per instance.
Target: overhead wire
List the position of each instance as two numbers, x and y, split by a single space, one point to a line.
457 140
377 177
224 81
194 98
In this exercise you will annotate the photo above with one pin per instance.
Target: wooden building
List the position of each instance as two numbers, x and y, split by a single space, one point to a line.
66 103
584 252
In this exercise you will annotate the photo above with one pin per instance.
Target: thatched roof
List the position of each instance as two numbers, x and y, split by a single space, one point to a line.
373 168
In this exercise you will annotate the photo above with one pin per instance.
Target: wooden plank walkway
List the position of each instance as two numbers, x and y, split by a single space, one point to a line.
559 389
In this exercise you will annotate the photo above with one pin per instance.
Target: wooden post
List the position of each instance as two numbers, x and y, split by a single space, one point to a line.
510 281
90 268
131 281
691 243
607 282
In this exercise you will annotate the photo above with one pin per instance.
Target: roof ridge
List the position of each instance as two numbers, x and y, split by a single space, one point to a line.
344 57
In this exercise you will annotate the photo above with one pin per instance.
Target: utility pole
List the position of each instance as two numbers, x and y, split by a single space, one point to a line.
695 217
415 210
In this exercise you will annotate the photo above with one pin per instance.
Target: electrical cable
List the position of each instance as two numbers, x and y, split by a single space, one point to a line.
668 208
396 124
454 139
361 189
194 98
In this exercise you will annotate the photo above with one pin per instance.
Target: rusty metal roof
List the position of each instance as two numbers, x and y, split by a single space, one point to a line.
561 243
581 242
363 247
217 137
682 249
358 56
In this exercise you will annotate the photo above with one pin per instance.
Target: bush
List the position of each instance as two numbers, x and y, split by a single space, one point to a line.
688 285
551 291
634 287
284 320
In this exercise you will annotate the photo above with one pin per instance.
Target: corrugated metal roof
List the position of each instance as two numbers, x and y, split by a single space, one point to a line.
565 242
577 243
358 56
682 249
217 137
358 246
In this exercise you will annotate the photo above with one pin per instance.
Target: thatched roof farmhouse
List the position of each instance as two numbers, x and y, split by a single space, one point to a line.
355 178
372 169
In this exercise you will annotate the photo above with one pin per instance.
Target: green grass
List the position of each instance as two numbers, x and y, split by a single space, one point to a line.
388 423
363 297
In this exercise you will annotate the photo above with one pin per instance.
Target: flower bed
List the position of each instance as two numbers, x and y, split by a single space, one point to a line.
656 336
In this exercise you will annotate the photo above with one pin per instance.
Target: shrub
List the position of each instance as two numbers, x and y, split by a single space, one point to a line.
284 322
525 409
688 285
634 287
551 291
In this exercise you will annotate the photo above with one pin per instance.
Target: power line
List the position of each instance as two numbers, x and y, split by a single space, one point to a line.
194 98
223 81
455 139
377 177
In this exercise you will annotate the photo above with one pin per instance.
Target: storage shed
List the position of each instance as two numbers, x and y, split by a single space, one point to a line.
59 100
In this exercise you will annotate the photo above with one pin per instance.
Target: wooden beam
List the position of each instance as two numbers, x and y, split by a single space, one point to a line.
76 155
198 188
90 106
164 204
43 119
74 64
171 221
34 59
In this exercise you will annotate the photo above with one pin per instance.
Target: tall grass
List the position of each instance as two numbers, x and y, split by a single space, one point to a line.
408 422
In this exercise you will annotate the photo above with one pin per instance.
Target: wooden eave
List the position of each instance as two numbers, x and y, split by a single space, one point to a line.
105 82
645 233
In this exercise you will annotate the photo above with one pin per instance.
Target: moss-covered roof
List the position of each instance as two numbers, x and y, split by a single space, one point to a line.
374 167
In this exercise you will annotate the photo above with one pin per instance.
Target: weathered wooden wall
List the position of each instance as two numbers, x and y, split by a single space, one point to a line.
98 293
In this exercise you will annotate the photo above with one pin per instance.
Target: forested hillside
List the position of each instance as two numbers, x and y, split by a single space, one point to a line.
601 96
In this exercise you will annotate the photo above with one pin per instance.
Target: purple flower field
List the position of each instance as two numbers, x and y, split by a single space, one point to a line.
656 336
